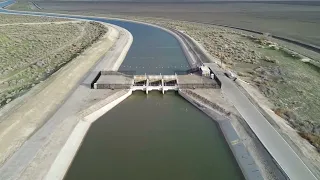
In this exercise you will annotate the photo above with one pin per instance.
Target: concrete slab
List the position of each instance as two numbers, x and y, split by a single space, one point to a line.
114 79
195 79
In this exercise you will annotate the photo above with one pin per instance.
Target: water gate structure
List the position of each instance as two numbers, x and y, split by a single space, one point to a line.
147 83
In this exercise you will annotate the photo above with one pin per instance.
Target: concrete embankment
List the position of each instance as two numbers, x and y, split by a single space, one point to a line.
65 157
246 162
124 51
69 150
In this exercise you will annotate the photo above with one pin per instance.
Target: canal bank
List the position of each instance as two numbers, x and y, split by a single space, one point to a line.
66 155
30 155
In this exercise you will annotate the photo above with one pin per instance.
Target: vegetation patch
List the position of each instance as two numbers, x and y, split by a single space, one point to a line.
9 19
29 53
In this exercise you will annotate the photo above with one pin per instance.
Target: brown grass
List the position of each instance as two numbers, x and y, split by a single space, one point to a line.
30 53
312 138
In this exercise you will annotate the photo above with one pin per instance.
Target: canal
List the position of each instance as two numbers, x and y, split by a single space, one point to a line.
155 136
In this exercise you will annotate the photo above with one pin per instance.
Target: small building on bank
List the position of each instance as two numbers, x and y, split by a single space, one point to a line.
205 71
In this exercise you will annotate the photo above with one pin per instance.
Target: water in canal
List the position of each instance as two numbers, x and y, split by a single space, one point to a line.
153 51
154 137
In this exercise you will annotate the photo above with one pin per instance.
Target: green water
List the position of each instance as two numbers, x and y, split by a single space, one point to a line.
154 137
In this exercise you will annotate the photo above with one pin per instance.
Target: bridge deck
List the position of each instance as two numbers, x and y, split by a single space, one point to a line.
113 81
109 80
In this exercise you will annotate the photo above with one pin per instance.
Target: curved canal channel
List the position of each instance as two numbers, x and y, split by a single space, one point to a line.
153 136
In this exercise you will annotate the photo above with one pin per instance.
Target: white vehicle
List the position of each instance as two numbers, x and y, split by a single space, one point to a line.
231 75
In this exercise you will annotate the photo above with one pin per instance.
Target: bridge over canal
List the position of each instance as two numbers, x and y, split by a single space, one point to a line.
147 83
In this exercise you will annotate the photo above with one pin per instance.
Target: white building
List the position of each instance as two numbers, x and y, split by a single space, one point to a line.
205 71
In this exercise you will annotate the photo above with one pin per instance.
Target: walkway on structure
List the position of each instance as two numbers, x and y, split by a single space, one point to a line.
163 83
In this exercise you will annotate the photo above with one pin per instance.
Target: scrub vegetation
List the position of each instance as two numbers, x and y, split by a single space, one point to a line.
30 52
9 19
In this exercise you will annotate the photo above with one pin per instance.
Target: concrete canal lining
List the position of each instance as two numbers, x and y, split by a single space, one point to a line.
245 161
65 157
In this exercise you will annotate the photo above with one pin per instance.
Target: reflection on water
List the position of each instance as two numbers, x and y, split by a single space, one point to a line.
154 137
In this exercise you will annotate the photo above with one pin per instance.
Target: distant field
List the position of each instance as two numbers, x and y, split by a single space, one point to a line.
8 19
23 6
32 48
300 22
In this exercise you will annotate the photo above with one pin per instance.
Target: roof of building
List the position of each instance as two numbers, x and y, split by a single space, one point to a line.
204 69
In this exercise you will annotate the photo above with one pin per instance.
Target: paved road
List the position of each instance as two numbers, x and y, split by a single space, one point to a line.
279 149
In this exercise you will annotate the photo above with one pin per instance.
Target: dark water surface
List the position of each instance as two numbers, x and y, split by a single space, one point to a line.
153 51
154 137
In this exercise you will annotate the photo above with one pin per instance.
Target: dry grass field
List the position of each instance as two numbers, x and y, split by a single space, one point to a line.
295 20
37 47
9 19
